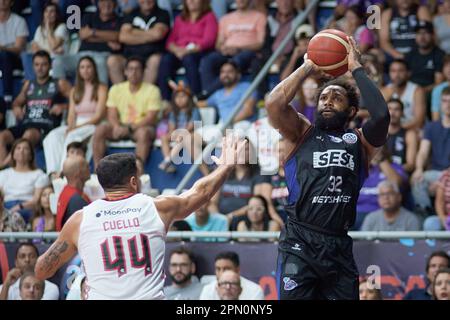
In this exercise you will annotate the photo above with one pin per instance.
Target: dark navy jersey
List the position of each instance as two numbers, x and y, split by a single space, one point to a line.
324 176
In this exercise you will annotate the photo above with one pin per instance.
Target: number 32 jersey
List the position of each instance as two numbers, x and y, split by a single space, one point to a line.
324 175
122 246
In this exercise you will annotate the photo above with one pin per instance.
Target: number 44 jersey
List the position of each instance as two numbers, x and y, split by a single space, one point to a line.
122 246
324 176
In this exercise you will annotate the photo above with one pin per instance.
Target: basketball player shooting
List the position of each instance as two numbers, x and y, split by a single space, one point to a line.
325 166
121 239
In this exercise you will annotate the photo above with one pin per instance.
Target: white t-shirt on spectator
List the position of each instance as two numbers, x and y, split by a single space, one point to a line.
41 38
51 291
250 291
21 185
14 27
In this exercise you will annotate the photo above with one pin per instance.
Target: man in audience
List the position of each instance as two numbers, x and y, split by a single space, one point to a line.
230 261
25 260
229 285
401 143
31 288
143 33
72 197
434 146
181 271
132 111
38 107
241 36
436 94
392 216
13 39
425 60
412 95
437 260
203 220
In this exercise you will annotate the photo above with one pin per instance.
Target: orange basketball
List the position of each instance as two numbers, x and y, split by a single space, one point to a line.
329 50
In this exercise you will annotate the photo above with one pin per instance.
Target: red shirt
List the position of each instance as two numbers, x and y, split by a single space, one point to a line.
63 201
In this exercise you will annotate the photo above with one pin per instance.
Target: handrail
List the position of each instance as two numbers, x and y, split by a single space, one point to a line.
233 235
301 17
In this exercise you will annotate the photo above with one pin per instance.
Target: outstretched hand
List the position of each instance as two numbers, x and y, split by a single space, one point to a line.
233 151
354 55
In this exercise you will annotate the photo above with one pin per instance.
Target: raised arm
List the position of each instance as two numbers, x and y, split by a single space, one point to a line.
281 115
62 250
179 207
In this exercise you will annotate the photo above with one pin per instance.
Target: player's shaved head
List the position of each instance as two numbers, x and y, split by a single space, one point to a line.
72 166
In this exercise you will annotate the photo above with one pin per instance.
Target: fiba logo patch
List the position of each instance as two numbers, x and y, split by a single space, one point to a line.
289 284
350 138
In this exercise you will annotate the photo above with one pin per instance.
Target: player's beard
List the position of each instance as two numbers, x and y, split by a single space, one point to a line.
333 123
179 281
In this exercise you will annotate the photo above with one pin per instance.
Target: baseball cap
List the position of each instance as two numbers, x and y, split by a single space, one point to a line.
304 31
426 25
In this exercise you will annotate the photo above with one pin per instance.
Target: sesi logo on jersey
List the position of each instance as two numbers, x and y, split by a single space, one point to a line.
333 158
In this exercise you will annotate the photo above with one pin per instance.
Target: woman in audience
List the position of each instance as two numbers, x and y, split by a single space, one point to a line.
441 285
52 36
181 129
87 108
193 34
257 217
10 221
368 292
22 183
442 27
43 218
305 101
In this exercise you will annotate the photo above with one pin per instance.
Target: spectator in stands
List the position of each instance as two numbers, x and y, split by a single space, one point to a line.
244 182
25 260
367 292
193 35
180 225
72 197
436 94
203 220
373 66
30 287
441 285
146 187
143 33
280 193
442 27
73 149
397 35
230 261
52 36
434 146
353 24
10 221
401 143
257 217
441 204
412 95
303 34
229 285
225 99
241 35
43 219
38 106
185 285
426 59
13 39
183 114
437 260
392 216
87 108
381 168
22 183
305 101
99 36
132 110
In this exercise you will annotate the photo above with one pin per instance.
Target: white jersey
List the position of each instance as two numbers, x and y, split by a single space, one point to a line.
122 246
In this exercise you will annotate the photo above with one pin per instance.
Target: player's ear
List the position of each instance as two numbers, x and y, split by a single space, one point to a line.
352 112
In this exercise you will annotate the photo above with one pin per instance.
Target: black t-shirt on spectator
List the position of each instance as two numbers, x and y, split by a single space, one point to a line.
75 203
2 114
423 67
236 193
93 21
139 21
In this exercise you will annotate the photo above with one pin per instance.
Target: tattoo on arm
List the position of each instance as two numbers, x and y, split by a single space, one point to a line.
54 256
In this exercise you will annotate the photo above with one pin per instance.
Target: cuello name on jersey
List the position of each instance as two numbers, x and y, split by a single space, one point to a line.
333 158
